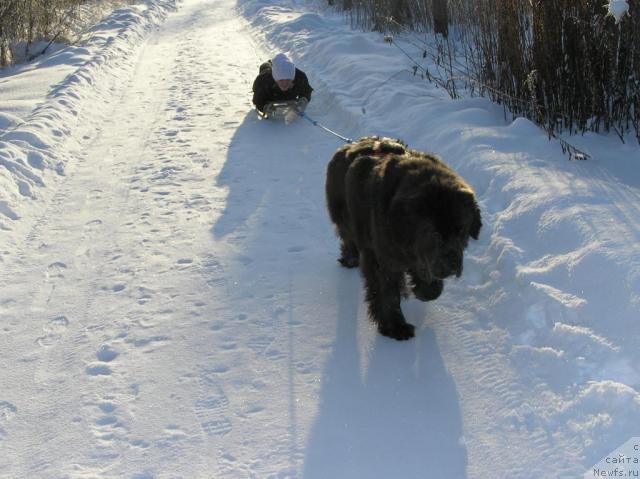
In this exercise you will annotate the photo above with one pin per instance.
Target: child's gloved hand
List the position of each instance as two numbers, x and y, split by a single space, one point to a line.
268 109
301 104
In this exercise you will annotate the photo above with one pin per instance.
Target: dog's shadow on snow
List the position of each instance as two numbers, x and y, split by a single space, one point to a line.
398 419
401 417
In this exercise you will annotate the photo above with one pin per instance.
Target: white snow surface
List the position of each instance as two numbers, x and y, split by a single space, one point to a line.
170 301
618 9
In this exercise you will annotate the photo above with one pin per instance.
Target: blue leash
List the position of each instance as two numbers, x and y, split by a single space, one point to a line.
315 123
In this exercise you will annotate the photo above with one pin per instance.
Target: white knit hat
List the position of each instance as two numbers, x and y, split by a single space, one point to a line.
282 68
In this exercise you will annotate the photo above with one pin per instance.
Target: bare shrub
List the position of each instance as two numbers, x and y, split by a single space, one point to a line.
565 64
26 22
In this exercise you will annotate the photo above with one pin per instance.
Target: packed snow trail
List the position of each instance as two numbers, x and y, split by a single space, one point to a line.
141 340
171 312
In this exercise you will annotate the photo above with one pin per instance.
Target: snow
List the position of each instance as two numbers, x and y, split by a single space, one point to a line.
170 303
618 9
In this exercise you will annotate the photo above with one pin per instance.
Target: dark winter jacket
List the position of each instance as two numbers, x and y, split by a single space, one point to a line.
265 89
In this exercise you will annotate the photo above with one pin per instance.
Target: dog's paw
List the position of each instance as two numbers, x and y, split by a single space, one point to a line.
428 291
400 331
349 261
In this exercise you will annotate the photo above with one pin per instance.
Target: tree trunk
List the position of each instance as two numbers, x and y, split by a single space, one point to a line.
440 17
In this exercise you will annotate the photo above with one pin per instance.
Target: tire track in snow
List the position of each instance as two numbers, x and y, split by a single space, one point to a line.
504 438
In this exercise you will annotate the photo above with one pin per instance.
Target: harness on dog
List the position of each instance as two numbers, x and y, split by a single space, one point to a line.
385 148
378 147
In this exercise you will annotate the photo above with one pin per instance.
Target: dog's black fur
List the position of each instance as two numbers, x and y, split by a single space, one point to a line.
399 213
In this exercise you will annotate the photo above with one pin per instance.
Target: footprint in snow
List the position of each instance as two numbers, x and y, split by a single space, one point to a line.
95 193
98 370
7 411
260 344
105 354
172 435
212 411
55 270
54 329
57 265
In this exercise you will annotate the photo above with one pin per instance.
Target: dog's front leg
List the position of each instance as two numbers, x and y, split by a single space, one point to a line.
384 289
425 290
349 255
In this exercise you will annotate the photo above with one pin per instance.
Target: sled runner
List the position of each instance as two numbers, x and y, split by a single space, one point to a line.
283 110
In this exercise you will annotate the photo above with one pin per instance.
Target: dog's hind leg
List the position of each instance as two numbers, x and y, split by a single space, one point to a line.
384 290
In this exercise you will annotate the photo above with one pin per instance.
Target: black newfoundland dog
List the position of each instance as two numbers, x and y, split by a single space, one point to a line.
401 215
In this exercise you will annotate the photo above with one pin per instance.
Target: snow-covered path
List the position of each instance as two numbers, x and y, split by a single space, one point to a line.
176 310
133 354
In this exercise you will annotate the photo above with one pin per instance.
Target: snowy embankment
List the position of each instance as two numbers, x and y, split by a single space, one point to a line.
553 288
77 82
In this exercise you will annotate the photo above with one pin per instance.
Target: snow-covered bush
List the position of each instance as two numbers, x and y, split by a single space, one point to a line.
617 9
27 27
568 65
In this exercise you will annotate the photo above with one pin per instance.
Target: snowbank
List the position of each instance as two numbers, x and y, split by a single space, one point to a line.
32 148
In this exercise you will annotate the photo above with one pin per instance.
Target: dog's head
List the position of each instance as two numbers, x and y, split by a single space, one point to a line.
435 218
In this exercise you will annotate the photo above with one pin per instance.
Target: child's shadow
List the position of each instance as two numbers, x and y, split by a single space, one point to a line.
258 162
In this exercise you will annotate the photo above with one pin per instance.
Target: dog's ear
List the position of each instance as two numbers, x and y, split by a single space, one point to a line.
402 209
476 220
476 224
401 219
